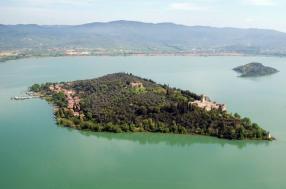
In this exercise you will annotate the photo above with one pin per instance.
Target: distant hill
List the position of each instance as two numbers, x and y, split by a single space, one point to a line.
141 36
254 69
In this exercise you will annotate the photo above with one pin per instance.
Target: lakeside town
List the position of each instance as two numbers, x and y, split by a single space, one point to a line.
6 55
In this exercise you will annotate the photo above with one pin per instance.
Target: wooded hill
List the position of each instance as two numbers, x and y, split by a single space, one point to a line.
126 103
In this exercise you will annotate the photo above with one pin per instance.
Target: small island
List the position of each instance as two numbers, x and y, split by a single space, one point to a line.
123 102
254 69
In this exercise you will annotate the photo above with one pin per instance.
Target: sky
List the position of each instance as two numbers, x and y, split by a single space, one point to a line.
268 14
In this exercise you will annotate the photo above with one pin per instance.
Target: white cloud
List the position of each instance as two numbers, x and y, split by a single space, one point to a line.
45 3
261 2
187 7
249 20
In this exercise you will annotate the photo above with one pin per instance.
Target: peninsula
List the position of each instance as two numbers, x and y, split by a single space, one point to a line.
254 69
123 102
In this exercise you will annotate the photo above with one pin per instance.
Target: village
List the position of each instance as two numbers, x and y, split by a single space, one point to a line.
73 101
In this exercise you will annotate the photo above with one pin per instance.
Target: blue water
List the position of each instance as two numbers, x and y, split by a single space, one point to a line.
36 153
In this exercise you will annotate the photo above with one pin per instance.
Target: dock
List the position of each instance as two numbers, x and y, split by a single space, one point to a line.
21 97
28 96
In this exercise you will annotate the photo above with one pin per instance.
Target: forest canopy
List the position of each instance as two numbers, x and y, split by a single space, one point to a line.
123 102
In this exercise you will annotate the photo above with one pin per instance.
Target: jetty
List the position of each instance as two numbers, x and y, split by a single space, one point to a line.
21 97
29 95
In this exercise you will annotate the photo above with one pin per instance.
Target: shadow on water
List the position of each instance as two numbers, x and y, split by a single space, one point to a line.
170 139
258 78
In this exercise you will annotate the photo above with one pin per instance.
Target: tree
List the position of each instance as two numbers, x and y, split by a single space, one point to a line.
35 88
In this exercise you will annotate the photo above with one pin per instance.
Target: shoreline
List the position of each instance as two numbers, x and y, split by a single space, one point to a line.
60 123
78 118
8 59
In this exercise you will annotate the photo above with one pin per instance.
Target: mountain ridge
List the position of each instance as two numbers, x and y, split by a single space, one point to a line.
141 36
141 22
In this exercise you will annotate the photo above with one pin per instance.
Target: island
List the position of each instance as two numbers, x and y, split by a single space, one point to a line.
254 69
123 102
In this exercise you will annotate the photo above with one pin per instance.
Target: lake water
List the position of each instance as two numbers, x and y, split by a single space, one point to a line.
36 153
